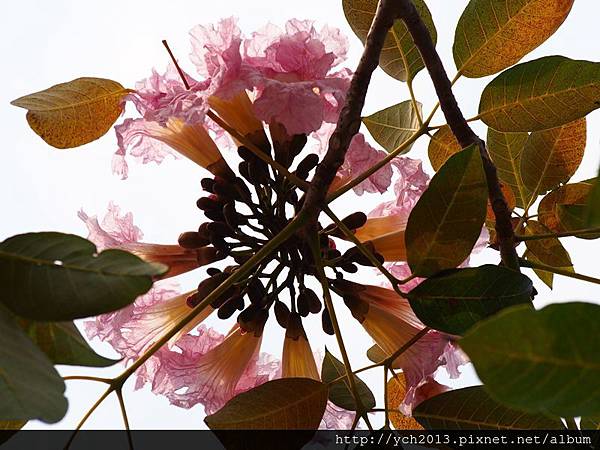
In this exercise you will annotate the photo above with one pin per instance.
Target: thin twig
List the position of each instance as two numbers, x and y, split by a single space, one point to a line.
557 271
125 419
534 237
336 328
350 115
460 128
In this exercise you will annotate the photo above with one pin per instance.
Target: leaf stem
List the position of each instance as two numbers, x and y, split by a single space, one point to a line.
119 393
534 237
364 250
558 271
338 333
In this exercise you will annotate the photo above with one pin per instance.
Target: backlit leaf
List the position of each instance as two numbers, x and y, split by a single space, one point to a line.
443 145
339 392
574 218
392 126
376 354
546 277
446 222
30 387
396 391
569 194
59 277
551 157
472 408
541 94
74 113
547 251
505 150
282 404
542 361
593 217
492 35
399 58
63 343
456 300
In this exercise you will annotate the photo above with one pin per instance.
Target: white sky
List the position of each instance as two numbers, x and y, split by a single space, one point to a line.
44 43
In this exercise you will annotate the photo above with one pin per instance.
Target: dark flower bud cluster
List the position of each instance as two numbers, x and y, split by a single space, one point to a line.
247 211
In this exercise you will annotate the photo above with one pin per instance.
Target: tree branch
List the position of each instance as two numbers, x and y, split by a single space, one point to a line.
350 116
460 128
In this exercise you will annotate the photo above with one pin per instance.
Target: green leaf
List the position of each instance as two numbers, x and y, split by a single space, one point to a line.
58 277
442 146
63 343
393 126
30 387
74 113
542 361
505 150
593 216
551 157
575 218
547 251
456 300
339 392
399 57
447 220
590 423
282 404
472 408
541 94
493 35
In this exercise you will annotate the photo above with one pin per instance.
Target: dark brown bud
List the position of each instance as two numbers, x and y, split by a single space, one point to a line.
347 287
349 267
256 292
302 303
355 220
306 165
232 217
230 306
208 255
326 322
253 319
209 203
207 184
282 313
192 240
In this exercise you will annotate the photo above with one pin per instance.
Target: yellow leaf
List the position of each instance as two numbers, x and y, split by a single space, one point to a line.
12 424
442 146
551 157
569 194
396 391
493 35
74 113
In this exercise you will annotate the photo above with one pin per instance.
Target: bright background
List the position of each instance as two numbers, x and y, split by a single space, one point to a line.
44 43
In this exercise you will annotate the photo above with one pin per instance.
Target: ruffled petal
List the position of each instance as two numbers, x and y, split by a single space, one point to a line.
115 230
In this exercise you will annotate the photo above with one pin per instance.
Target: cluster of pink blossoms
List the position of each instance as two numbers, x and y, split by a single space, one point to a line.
288 79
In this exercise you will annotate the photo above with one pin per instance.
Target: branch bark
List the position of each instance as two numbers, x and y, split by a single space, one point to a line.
461 129
350 115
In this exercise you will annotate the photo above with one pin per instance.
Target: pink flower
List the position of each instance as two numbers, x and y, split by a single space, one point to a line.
162 97
211 373
414 396
114 230
119 232
216 54
390 321
293 74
